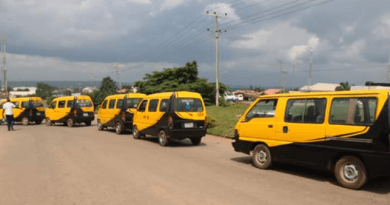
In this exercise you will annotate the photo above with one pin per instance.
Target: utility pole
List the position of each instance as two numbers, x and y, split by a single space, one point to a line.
216 33
284 76
294 63
388 71
4 68
310 69
280 72
117 66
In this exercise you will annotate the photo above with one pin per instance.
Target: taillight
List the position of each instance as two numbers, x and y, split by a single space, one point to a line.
74 112
170 122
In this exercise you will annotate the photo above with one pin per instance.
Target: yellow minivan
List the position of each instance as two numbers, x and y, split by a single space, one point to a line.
70 110
171 115
117 111
346 132
27 110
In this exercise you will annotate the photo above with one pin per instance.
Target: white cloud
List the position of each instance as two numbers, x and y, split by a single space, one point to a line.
32 67
221 9
382 29
351 53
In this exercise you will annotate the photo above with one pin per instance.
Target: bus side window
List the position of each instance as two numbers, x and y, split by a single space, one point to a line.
263 108
164 105
142 107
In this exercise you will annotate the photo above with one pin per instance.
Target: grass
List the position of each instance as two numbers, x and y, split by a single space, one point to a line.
224 119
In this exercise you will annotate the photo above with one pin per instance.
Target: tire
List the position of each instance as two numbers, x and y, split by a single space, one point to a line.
163 138
350 172
262 157
136 134
88 123
38 122
196 141
70 122
99 126
25 121
48 122
119 127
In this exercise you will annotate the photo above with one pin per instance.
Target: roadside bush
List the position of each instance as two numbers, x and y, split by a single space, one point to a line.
211 122
223 102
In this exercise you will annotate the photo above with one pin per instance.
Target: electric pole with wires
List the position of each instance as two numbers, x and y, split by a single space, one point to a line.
216 33
117 67
4 67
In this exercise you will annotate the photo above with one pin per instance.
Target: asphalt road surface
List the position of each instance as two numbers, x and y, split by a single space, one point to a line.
81 165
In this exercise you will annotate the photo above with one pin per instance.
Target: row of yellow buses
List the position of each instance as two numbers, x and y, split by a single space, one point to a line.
168 115
344 132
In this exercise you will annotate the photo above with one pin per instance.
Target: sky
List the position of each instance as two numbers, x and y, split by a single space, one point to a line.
84 40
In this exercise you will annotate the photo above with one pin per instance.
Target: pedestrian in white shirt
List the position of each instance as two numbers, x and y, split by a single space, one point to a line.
7 107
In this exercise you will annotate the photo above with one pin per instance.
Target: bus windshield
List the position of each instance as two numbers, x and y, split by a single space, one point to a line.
84 103
37 103
188 105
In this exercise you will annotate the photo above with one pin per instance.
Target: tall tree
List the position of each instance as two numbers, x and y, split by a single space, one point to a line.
107 87
175 79
343 86
44 90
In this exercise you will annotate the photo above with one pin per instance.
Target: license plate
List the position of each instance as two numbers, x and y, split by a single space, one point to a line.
188 125
38 113
85 114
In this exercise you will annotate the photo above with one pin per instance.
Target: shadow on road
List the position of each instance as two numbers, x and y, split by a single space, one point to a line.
175 143
378 185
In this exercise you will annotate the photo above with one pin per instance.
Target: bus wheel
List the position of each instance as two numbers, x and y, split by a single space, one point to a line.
262 157
196 141
38 122
350 172
70 122
25 121
48 122
118 127
88 123
162 138
99 126
136 133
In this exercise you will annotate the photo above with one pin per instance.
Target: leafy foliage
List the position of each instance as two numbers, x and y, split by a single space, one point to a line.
176 79
343 86
107 87
45 91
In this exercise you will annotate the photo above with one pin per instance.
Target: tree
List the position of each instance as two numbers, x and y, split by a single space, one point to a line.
343 86
107 87
44 90
175 79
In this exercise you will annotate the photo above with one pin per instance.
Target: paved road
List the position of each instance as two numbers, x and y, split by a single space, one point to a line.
60 165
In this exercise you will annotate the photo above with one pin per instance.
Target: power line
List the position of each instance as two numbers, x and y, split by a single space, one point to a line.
283 14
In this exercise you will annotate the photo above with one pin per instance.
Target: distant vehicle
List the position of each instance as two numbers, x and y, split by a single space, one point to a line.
171 115
230 97
28 109
344 132
240 97
70 110
117 111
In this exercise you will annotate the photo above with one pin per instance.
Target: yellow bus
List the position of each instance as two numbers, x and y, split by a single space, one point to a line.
27 110
70 110
171 115
117 111
346 132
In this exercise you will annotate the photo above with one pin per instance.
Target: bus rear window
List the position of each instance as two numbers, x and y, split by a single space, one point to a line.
188 105
132 102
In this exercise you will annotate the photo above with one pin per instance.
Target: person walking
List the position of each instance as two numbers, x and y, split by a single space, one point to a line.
7 107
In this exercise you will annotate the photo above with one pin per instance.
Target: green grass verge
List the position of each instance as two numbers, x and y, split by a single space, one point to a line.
224 119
